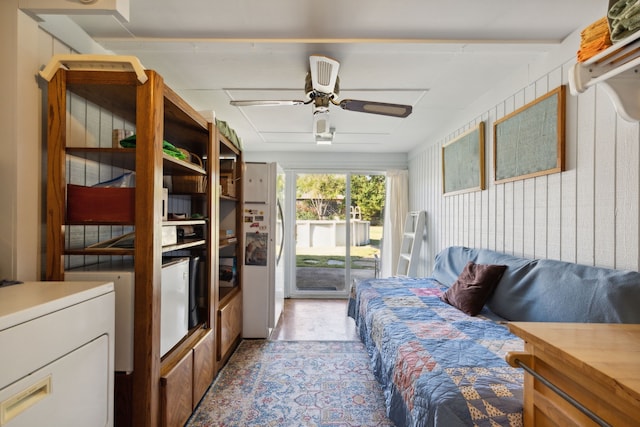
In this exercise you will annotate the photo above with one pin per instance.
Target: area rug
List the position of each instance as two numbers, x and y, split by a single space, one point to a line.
294 383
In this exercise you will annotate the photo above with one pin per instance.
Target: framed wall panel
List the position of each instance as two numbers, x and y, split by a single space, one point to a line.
530 141
463 163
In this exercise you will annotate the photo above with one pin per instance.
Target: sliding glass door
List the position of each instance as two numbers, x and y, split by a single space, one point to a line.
367 207
337 232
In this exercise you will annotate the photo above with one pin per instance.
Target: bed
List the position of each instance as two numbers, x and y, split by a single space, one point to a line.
437 365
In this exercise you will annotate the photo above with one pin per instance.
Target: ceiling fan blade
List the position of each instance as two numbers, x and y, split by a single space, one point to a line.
383 108
262 103
324 73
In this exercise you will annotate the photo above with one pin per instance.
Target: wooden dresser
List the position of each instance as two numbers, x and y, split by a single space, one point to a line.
597 365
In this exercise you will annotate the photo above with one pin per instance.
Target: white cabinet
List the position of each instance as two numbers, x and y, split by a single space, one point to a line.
56 363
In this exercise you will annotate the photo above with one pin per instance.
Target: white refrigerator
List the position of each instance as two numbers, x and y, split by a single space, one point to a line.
174 303
263 232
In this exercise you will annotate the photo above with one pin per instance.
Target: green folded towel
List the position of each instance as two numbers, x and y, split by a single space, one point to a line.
167 147
624 18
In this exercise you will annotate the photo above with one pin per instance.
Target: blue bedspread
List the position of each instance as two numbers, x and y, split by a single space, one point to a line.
437 366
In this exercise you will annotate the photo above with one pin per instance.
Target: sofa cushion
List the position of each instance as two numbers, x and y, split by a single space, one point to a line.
450 262
557 291
542 290
473 287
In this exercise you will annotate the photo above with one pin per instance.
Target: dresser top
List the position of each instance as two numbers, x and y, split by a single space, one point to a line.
608 352
25 301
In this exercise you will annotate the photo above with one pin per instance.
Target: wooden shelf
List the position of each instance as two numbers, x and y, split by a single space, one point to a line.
230 218
130 251
125 158
617 68
116 92
227 294
95 223
226 147
228 245
184 346
100 251
229 198
185 222
187 243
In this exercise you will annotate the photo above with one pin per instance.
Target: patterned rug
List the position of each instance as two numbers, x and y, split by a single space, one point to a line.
294 383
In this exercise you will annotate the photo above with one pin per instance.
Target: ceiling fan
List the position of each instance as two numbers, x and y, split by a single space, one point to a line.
322 86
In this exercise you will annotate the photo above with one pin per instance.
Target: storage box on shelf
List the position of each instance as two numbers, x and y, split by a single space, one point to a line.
227 184
90 204
158 114
191 183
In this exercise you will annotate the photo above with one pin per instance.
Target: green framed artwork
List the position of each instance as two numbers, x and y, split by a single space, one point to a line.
463 163
530 141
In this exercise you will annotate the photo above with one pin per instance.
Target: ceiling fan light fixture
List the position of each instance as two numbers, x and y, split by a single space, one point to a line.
321 123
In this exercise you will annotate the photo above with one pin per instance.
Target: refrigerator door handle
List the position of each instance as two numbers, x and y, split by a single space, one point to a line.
281 242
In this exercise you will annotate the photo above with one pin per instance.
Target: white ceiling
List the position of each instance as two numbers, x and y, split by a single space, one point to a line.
439 56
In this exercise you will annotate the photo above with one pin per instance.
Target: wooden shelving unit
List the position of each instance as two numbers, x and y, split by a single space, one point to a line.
230 211
162 390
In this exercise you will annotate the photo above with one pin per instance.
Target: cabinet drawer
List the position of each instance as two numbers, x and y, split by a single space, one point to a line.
174 390
71 391
203 366
52 335
230 324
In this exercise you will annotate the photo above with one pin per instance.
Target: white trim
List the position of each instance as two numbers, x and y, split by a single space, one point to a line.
333 162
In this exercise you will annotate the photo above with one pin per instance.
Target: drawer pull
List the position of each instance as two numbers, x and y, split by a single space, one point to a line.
23 400
513 361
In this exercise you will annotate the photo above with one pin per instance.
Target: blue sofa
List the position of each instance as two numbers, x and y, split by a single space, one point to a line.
441 367
543 290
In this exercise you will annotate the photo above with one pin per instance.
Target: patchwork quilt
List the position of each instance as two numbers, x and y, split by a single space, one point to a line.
437 365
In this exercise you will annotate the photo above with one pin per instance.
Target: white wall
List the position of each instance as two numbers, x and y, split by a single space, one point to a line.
25 48
21 158
587 214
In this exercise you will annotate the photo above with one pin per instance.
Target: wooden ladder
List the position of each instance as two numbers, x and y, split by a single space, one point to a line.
411 243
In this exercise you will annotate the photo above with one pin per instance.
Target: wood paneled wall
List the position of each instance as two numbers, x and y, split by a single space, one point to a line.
587 214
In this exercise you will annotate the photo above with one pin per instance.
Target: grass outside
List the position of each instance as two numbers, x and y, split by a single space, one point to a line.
362 257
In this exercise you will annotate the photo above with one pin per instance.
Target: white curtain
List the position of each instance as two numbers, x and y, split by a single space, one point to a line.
396 207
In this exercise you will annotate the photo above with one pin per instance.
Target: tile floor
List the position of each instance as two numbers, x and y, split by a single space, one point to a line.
315 320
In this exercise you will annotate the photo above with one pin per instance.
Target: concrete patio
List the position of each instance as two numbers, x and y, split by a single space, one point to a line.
328 279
